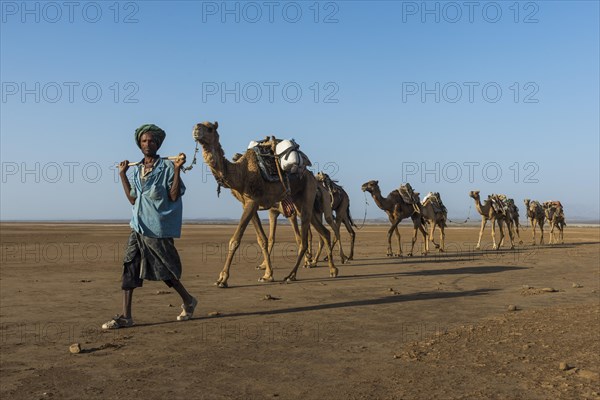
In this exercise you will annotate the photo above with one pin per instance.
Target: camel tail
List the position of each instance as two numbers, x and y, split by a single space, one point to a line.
350 218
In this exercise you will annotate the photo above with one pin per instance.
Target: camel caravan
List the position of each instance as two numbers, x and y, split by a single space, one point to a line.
273 175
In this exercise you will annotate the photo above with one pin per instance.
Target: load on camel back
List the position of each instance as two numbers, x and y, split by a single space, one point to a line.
410 196
502 204
286 152
436 201
279 160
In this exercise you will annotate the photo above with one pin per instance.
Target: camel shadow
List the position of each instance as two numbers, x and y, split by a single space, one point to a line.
491 269
453 271
406 260
436 258
399 298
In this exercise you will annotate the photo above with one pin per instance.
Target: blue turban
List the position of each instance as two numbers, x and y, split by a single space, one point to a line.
157 133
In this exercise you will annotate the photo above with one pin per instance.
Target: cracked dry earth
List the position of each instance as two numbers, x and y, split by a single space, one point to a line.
464 324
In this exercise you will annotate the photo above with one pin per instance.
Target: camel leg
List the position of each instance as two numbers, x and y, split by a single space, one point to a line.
308 257
393 229
306 217
542 233
321 243
518 234
560 233
250 209
399 239
562 238
390 253
533 224
325 235
414 239
483 223
264 245
511 236
417 226
442 238
273 214
336 231
320 249
425 239
304 228
294 223
309 262
551 234
494 247
335 226
433 225
348 226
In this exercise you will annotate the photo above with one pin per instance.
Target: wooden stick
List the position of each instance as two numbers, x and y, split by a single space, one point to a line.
172 158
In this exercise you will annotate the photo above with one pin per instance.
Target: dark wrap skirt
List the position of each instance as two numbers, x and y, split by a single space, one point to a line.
154 259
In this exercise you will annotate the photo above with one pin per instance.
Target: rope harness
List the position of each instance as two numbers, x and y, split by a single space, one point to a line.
465 221
365 216
186 169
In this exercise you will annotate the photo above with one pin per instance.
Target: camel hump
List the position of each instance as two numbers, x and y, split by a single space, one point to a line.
553 204
408 194
499 203
436 201
427 198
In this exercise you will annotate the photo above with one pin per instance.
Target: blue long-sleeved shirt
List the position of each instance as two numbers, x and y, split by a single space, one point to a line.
154 214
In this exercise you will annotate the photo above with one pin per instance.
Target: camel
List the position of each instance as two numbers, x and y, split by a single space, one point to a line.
513 214
340 203
323 207
274 213
487 212
247 185
535 214
396 210
435 213
556 218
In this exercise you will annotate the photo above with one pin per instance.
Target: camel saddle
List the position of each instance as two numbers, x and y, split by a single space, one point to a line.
295 160
553 203
266 163
510 203
436 201
408 194
499 203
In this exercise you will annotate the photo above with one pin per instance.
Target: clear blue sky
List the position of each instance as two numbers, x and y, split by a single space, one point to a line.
388 90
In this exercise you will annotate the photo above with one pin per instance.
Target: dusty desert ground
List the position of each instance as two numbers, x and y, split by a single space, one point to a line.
434 327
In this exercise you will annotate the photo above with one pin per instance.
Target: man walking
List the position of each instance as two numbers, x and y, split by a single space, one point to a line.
155 193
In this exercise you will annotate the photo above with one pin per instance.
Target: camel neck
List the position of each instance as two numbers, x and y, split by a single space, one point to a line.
479 206
379 199
215 158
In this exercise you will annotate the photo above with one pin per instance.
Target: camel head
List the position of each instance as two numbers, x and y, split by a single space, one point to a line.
474 194
321 176
206 133
325 180
527 201
370 186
